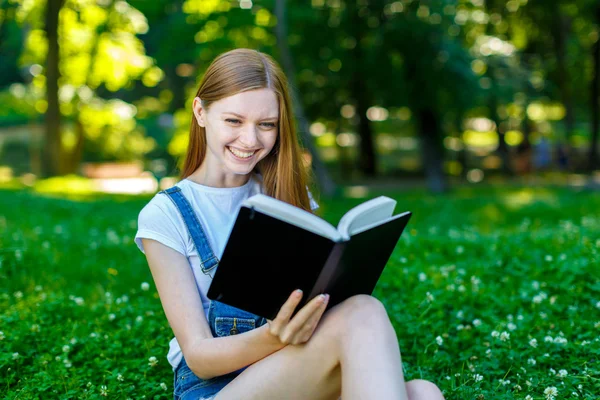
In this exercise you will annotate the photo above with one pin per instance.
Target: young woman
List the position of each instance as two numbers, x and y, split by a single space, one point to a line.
242 142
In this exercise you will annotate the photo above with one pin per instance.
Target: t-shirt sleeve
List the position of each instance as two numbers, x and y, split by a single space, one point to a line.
155 223
313 204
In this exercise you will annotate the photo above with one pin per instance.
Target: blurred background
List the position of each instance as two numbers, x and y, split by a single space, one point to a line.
394 93
479 116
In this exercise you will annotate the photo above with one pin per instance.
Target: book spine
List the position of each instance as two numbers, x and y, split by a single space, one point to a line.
329 270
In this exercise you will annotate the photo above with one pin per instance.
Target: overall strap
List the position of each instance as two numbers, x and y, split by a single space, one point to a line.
208 260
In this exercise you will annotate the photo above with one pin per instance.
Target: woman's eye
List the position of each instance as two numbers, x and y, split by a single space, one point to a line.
231 120
268 124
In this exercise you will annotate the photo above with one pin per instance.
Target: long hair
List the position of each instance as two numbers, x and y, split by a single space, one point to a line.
284 175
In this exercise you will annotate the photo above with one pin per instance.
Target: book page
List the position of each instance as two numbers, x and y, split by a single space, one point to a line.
293 215
367 214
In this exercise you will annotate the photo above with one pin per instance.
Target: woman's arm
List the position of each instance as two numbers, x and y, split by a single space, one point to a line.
205 355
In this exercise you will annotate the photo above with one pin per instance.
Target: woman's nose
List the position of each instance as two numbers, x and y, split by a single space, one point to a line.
249 136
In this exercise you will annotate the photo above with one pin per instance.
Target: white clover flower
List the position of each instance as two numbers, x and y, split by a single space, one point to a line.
560 340
511 326
79 301
504 336
598 304
145 286
504 382
537 299
462 288
15 356
548 258
460 327
495 334
476 322
478 378
597 324
585 343
103 390
422 277
439 340
517 387
533 342
460 249
163 386
562 373
111 317
67 363
152 361
73 341
120 378
550 392
531 361
2 335
66 348
139 318
548 339
18 294
528 397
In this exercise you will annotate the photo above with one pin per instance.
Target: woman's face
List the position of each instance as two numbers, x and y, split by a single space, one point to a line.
241 130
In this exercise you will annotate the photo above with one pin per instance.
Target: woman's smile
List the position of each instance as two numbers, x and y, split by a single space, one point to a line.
241 155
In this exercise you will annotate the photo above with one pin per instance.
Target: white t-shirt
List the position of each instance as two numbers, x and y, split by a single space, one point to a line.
216 208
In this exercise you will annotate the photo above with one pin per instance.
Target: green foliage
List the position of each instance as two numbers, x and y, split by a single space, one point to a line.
478 275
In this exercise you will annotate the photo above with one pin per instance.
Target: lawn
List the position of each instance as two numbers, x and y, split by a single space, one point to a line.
494 294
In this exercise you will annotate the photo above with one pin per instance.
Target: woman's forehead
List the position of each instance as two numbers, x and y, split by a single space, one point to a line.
257 103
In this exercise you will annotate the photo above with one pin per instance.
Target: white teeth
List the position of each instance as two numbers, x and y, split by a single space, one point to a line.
240 154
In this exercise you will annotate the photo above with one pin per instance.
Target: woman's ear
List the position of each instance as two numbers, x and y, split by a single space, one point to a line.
199 111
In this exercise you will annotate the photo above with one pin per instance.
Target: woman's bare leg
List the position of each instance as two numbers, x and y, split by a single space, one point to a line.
354 352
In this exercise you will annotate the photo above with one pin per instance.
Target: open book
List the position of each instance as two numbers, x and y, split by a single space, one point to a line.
275 248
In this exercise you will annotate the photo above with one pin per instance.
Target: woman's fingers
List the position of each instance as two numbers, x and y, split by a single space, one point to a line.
299 321
305 333
284 314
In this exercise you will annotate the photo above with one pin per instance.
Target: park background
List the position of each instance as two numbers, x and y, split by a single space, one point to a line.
481 117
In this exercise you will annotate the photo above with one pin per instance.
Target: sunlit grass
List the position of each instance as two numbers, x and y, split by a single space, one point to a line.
493 292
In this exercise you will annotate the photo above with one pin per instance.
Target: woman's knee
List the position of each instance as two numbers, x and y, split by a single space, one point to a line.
421 389
364 308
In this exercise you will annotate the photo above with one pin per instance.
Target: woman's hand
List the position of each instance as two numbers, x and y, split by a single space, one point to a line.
304 323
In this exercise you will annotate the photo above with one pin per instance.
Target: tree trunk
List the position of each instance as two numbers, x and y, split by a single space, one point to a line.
327 185
366 158
560 34
593 155
52 155
430 133
502 146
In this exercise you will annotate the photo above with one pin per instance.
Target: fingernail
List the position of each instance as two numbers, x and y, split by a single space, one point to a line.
299 291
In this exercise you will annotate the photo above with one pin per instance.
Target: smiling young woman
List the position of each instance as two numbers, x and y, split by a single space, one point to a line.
243 142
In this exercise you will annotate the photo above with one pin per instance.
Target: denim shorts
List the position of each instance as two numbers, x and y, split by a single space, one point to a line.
223 320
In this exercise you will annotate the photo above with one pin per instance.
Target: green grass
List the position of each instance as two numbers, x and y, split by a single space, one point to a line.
520 262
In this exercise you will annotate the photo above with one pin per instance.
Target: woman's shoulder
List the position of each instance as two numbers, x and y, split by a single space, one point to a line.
159 220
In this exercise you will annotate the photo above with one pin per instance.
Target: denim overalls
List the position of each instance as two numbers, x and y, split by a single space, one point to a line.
224 320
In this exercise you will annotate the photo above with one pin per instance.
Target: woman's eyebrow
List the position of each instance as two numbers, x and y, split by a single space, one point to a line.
242 117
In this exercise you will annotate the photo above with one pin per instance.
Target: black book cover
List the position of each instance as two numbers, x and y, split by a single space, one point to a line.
265 259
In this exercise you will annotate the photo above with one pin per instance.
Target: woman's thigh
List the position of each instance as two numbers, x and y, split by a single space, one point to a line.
305 371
